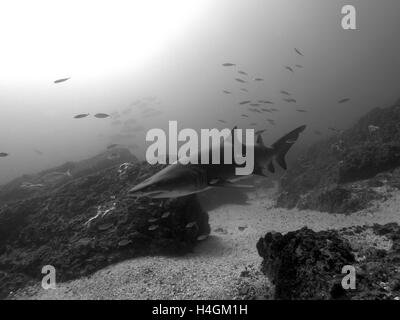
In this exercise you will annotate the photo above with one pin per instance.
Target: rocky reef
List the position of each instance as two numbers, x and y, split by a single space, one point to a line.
89 222
308 265
346 172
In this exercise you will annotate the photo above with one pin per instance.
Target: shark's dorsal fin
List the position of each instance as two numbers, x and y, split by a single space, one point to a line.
282 146
233 133
260 140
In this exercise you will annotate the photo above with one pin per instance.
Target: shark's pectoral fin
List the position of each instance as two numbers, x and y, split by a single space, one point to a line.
228 184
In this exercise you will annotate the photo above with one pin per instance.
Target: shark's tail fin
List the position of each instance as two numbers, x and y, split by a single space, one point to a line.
282 146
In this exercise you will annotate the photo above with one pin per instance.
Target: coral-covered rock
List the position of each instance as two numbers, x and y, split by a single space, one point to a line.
323 177
307 265
304 264
91 221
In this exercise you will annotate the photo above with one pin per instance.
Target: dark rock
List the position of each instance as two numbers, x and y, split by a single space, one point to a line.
304 264
58 227
307 265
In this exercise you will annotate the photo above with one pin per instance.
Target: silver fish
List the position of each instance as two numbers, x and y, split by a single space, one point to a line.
101 115
61 80
240 80
289 68
80 116
298 52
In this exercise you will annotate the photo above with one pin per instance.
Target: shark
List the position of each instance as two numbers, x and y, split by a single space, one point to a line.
178 180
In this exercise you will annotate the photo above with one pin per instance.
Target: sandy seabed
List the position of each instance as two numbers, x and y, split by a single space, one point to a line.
216 267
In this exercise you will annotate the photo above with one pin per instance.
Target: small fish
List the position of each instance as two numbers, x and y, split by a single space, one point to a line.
285 92
258 79
242 72
265 110
101 115
240 80
29 185
254 110
40 153
202 237
152 220
166 215
244 89
153 227
290 100
112 146
268 102
61 80
301 110
299 66
82 115
228 64
105 226
124 243
254 104
226 91
191 224
245 115
372 128
289 68
223 121
344 100
274 109
245 102
298 52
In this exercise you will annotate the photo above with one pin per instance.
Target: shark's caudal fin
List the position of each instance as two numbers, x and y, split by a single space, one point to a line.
282 146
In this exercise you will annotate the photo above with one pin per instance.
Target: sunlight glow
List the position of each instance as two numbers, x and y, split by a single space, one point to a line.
50 39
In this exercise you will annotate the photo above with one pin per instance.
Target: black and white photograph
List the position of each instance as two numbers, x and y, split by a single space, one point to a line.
225 152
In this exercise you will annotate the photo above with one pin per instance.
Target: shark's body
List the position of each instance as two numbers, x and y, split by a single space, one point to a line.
178 179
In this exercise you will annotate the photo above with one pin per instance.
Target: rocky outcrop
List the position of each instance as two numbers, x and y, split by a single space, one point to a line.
304 264
91 222
13 190
308 265
338 174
